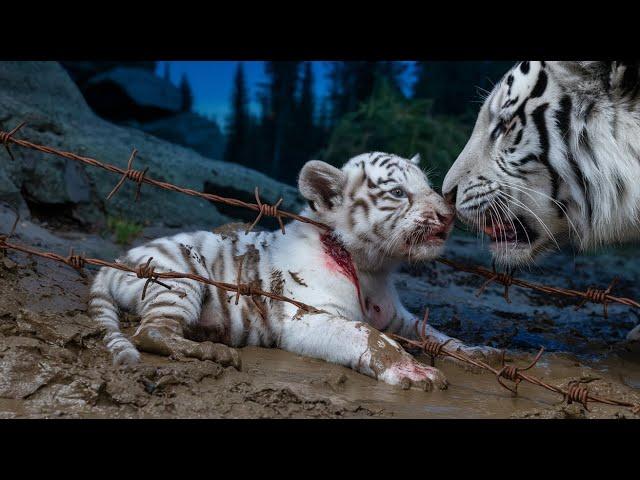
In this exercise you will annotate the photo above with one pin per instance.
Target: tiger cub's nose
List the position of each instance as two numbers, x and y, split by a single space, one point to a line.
450 196
437 221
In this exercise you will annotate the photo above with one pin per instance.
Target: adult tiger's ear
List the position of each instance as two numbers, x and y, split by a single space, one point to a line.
415 159
321 183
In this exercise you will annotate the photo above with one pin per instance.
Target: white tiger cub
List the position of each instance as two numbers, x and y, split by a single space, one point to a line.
382 210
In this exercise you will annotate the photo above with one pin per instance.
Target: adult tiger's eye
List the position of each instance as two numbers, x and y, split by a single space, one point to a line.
398 193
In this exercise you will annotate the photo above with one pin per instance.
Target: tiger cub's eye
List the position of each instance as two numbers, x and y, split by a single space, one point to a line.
398 193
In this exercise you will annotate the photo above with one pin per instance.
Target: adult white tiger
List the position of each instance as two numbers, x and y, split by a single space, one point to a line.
382 211
554 157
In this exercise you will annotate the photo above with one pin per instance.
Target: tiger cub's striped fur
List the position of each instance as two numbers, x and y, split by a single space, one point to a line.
382 210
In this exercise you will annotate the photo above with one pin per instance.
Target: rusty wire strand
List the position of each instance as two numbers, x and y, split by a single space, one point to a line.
575 391
157 183
5 137
148 271
592 294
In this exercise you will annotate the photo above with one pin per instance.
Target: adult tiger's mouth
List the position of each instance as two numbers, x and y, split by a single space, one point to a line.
517 232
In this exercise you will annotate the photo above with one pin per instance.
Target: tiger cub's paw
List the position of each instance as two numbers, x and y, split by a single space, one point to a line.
410 373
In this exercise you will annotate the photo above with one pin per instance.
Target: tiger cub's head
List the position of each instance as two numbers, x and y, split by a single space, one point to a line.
504 182
381 206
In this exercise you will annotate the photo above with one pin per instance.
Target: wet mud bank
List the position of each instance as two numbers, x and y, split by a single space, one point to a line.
53 363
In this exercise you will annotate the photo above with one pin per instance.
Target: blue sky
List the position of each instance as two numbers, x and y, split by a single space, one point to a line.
212 82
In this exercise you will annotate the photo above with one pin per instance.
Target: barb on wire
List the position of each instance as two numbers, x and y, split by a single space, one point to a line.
76 261
268 210
505 278
131 174
433 348
247 289
591 295
511 372
5 137
148 271
575 391
598 296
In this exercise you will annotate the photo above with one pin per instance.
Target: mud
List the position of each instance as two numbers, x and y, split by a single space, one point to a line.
53 363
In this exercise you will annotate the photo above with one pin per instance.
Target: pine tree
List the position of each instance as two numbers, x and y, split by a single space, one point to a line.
278 122
307 135
453 85
353 83
187 94
239 122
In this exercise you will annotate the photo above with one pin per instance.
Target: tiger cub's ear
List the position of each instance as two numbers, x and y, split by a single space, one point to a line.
415 159
321 183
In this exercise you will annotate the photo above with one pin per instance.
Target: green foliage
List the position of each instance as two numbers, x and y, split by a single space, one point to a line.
389 122
124 230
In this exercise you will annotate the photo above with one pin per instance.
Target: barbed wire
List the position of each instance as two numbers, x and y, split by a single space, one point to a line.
574 392
148 272
592 294
139 177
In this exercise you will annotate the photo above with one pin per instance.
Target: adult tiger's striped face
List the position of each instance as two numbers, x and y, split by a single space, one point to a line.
381 206
503 182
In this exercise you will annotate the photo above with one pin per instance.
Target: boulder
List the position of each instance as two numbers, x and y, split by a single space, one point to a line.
190 130
125 93
83 71
43 95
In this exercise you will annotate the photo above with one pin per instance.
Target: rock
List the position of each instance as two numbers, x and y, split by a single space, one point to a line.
42 94
81 71
132 94
189 130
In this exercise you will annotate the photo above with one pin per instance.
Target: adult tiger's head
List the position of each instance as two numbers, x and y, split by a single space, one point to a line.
553 158
381 207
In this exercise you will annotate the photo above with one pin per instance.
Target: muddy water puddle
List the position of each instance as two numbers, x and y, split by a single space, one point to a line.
53 363
469 395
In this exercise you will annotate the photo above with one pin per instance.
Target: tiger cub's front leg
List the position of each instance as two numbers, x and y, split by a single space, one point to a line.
165 316
358 346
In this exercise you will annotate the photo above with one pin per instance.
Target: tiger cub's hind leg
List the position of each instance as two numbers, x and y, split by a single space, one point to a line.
165 316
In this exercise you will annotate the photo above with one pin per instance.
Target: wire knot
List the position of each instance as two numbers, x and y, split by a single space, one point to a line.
433 348
148 271
596 295
136 176
577 393
268 210
247 289
5 137
512 373
243 289
76 261
505 278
